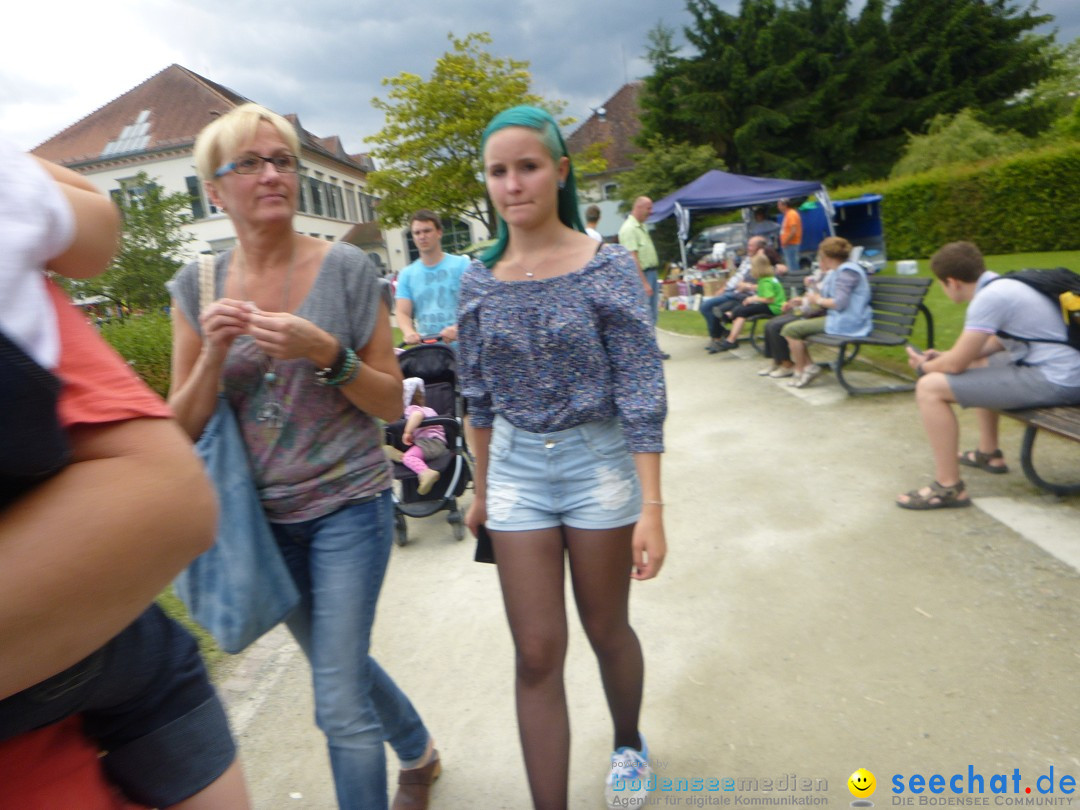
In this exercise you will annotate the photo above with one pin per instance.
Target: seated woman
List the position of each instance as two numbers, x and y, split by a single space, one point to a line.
767 300
794 309
845 297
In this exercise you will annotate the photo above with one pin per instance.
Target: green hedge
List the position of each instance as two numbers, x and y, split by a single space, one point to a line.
145 341
1013 205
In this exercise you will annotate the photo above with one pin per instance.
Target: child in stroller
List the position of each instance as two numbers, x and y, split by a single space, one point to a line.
416 493
426 442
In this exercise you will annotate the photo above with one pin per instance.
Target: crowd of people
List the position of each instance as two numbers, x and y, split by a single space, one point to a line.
298 340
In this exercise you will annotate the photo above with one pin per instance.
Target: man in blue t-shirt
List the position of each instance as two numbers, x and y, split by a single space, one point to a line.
987 370
427 290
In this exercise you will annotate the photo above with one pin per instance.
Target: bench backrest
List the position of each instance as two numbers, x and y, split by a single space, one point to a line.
794 281
896 302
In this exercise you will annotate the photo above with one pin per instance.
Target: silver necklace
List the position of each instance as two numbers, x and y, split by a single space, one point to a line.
271 413
530 272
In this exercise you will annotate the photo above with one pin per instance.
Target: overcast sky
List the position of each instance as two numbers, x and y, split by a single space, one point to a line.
321 59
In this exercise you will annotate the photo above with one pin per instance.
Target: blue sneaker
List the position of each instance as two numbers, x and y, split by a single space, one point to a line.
631 779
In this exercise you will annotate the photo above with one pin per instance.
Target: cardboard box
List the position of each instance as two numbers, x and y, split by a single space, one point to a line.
669 288
713 286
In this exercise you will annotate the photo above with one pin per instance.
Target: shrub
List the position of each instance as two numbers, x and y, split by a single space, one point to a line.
1013 205
145 341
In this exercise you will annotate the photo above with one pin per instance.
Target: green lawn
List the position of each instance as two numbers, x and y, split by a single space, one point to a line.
948 317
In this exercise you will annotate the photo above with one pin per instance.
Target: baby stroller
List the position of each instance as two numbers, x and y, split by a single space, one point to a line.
435 364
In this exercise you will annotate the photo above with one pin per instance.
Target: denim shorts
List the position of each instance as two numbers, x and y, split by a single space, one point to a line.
146 698
582 477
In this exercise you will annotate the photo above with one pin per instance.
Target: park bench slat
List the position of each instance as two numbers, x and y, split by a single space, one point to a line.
1063 421
896 303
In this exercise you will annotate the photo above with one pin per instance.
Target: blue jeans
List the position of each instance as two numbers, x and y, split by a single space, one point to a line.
651 276
338 562
711 321
791 257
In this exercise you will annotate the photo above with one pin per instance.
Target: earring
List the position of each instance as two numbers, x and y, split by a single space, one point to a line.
562 185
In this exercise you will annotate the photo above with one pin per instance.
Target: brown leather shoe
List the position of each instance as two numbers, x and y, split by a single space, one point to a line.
414 785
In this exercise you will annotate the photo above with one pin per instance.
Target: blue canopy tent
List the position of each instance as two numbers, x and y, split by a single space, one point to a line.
717 190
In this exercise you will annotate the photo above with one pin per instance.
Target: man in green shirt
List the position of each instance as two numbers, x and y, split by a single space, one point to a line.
634 237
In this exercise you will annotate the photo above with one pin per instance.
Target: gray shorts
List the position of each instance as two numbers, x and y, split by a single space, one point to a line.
1002 385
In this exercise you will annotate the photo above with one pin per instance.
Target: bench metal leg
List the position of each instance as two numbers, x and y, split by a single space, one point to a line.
1027 462
843 358
838 368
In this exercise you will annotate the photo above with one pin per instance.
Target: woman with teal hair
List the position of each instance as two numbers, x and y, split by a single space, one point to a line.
565 386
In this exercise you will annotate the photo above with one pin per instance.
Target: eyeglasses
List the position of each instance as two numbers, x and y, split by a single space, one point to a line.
253 164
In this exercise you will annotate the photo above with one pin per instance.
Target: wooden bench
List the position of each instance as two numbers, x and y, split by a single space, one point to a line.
896 301
1063 421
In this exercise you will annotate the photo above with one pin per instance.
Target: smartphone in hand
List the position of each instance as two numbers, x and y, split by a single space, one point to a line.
912 347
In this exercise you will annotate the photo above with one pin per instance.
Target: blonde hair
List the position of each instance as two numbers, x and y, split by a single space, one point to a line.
219 140
760 266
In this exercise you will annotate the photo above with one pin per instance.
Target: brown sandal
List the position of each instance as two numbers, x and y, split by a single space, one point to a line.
981 460
414 785
939 497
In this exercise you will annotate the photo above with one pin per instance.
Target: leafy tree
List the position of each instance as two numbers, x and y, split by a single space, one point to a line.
664 167
151 246
1057 94
429 149
798 88
979 54
959 138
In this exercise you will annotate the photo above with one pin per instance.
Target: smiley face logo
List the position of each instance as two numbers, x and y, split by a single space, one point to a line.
862 784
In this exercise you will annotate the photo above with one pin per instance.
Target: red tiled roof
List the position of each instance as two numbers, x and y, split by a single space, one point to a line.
619 125
180 103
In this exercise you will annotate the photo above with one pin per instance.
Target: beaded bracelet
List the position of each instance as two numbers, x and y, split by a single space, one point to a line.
346 372
332 370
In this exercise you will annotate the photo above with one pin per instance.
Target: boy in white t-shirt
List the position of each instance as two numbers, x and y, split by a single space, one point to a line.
986 371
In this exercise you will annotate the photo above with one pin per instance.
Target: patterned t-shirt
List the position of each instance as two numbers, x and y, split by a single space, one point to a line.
327 451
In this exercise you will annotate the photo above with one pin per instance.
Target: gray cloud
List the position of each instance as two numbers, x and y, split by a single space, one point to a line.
325 59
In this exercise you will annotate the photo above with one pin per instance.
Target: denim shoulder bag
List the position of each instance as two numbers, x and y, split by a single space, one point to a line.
241 587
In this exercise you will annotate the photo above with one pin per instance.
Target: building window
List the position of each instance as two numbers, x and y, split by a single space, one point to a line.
350 202
302 202
130 193
339 202
316 196
456 235
610 190
367 207
331 202
198 211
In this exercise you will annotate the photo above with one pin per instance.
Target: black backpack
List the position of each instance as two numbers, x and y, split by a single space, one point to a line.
1060 285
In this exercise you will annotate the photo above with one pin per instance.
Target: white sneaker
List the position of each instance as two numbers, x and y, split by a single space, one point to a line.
631 778
809 374
782 371
767 371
